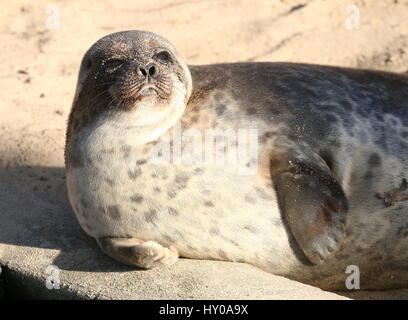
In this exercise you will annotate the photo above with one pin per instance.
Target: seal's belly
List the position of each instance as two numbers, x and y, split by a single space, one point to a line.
206 211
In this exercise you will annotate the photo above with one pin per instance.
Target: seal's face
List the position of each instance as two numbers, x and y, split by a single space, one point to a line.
135 71
134 78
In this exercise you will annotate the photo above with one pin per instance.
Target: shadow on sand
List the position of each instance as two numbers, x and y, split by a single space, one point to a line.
35 212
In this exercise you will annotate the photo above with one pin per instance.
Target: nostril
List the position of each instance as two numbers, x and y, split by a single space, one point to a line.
143 71
152 70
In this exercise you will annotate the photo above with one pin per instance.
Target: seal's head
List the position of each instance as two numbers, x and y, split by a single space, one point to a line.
137 72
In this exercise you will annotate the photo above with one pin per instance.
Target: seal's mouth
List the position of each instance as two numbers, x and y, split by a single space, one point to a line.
150 91
129 93
147 91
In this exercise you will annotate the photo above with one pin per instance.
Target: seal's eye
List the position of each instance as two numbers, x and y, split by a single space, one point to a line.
113 64
163 56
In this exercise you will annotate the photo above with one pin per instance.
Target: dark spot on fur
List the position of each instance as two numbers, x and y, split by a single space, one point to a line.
377 227
168 239
374 160
182 179
274 162
108 151
141 162
220 109
269 134
153 175
250 111
173 211
250 229
378 257
214 232
233 242
348 123
218 96
379 117
113 212
194 119
393 122
222 254
126 151
111 182
88 227
359 249
209 204
249 199
180 184
269 185
136 198
276 222
156 189
263 194
346 105
368 175
331 118
266 136
402 231
178 235
151 216
84 214
171 194
133 174
341 255
84 203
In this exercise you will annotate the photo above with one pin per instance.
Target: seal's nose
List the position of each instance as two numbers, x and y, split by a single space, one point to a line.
148 71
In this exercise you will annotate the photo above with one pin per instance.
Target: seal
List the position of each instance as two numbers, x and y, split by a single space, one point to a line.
297 169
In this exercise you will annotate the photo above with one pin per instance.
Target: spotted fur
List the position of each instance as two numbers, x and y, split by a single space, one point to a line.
353 121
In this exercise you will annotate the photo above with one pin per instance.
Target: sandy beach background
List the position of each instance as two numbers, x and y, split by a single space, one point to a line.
42 43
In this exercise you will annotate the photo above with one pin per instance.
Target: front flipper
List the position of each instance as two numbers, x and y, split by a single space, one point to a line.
313 203
138 253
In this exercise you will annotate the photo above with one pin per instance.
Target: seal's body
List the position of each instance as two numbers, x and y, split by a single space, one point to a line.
317 190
